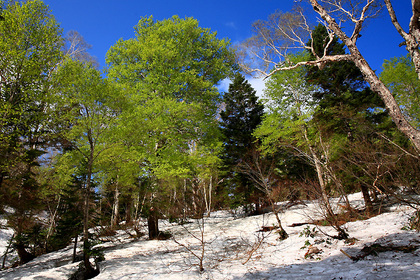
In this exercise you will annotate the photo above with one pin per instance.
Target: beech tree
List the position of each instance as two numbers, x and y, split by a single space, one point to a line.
87 104
344 104
288 123
283 32
169 72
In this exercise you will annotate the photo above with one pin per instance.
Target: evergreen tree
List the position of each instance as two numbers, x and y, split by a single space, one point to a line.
347 109
241 115
339 86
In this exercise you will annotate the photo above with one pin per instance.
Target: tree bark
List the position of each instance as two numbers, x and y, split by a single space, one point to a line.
75 248
413 36
128 211
115 207
367 199
7 251
370 76
24 256
153 223
319 172
52 224
86 247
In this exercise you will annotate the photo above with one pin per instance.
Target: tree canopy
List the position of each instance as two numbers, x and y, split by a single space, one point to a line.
153 135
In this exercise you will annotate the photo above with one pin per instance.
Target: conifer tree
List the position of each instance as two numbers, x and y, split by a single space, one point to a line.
344 99
242 114
338 84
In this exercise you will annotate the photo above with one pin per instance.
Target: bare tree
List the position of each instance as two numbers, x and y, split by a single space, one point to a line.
200 237
77 48
261 171
284 32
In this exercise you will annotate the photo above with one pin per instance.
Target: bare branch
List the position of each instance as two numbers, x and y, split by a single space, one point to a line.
319 62
413 37
359 22
394 19
273 51
415 20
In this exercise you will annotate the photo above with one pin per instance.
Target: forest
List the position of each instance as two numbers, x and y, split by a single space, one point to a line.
86 152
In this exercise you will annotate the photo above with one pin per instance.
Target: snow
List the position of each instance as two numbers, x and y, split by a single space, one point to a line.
230 239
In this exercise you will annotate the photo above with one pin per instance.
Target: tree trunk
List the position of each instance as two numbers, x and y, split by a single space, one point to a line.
320 174
184 207
412 38
75 248
366 198
24 256
52 224
115 207
210 196
194 199
283 234
86 245
7 251
153 223
128 211
136 206
391 105
321 181
370 76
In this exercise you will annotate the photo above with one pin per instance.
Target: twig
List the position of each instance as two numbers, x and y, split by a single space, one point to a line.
255 247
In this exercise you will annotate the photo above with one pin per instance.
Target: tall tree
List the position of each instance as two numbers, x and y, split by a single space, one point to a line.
283 32
30 48
358 16
169 72
345 101
88 107
241 116
288 123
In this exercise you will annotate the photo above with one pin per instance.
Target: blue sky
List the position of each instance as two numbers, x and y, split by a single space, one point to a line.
103 22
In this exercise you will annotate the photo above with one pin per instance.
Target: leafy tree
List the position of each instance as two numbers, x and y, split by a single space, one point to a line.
288 124
340 82
87 102
240 117
282 34
30 49
1 10
169 72
400 76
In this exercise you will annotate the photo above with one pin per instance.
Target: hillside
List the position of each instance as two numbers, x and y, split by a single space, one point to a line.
236 249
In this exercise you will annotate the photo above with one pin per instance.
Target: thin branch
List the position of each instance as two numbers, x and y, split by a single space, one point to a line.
359 22
319 62
394 19
398 146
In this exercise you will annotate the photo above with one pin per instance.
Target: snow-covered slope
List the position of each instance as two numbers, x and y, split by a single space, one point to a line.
235 249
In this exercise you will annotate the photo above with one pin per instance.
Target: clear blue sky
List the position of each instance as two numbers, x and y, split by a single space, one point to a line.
103 22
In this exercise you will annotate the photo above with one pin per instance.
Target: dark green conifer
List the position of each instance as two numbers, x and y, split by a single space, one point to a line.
340 87
347 107
242 114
